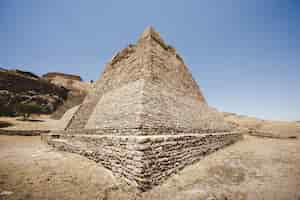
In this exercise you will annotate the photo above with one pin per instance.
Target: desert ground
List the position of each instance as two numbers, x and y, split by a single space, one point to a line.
253 168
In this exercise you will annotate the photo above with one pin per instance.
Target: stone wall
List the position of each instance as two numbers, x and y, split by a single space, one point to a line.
149 104
169 70
127 82
124 67
167 107
143 131
143 161
121 107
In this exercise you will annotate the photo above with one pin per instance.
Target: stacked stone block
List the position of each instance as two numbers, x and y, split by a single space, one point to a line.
146 118
144 161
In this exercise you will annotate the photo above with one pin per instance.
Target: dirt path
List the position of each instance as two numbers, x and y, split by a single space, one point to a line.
254 168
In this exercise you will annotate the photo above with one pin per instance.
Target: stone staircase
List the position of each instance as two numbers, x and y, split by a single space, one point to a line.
82 115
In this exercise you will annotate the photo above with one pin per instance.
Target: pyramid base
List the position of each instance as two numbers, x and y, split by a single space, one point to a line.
143 161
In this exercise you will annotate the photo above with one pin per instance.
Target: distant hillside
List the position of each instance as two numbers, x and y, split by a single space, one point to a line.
53 75
52 92
263 127
78 90
19 87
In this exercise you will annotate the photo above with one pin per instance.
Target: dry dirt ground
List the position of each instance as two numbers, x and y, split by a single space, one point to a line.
254 168
35 123
281 129
41 122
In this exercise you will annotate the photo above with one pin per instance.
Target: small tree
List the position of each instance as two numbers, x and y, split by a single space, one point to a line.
26 109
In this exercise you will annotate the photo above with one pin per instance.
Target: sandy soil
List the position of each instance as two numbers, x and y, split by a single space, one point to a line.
255 168
41 122
32 170
36 123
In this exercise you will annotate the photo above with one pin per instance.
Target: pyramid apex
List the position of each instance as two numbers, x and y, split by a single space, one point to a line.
151 33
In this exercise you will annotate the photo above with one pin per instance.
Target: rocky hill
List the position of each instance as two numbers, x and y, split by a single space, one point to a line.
18 88
52 92
78 90
58 75
73 83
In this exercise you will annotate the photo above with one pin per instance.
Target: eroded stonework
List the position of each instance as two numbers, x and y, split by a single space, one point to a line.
146 118
144 161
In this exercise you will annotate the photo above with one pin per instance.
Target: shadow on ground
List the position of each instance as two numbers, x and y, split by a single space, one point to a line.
4 124
30 120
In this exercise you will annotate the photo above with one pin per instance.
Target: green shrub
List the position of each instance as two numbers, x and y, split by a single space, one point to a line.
26 109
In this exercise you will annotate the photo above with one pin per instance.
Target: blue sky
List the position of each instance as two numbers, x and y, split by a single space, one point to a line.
245 55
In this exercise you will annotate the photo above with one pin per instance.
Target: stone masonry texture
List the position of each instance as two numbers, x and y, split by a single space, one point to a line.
146 118
143 161
146 85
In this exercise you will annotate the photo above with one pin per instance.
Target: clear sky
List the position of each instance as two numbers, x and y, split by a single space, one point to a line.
245 55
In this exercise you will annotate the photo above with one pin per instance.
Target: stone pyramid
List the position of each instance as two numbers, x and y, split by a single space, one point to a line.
146 117
147 86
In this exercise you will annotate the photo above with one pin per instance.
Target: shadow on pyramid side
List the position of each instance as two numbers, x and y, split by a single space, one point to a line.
146 117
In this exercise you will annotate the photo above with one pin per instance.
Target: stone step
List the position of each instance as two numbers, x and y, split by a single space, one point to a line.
82 115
